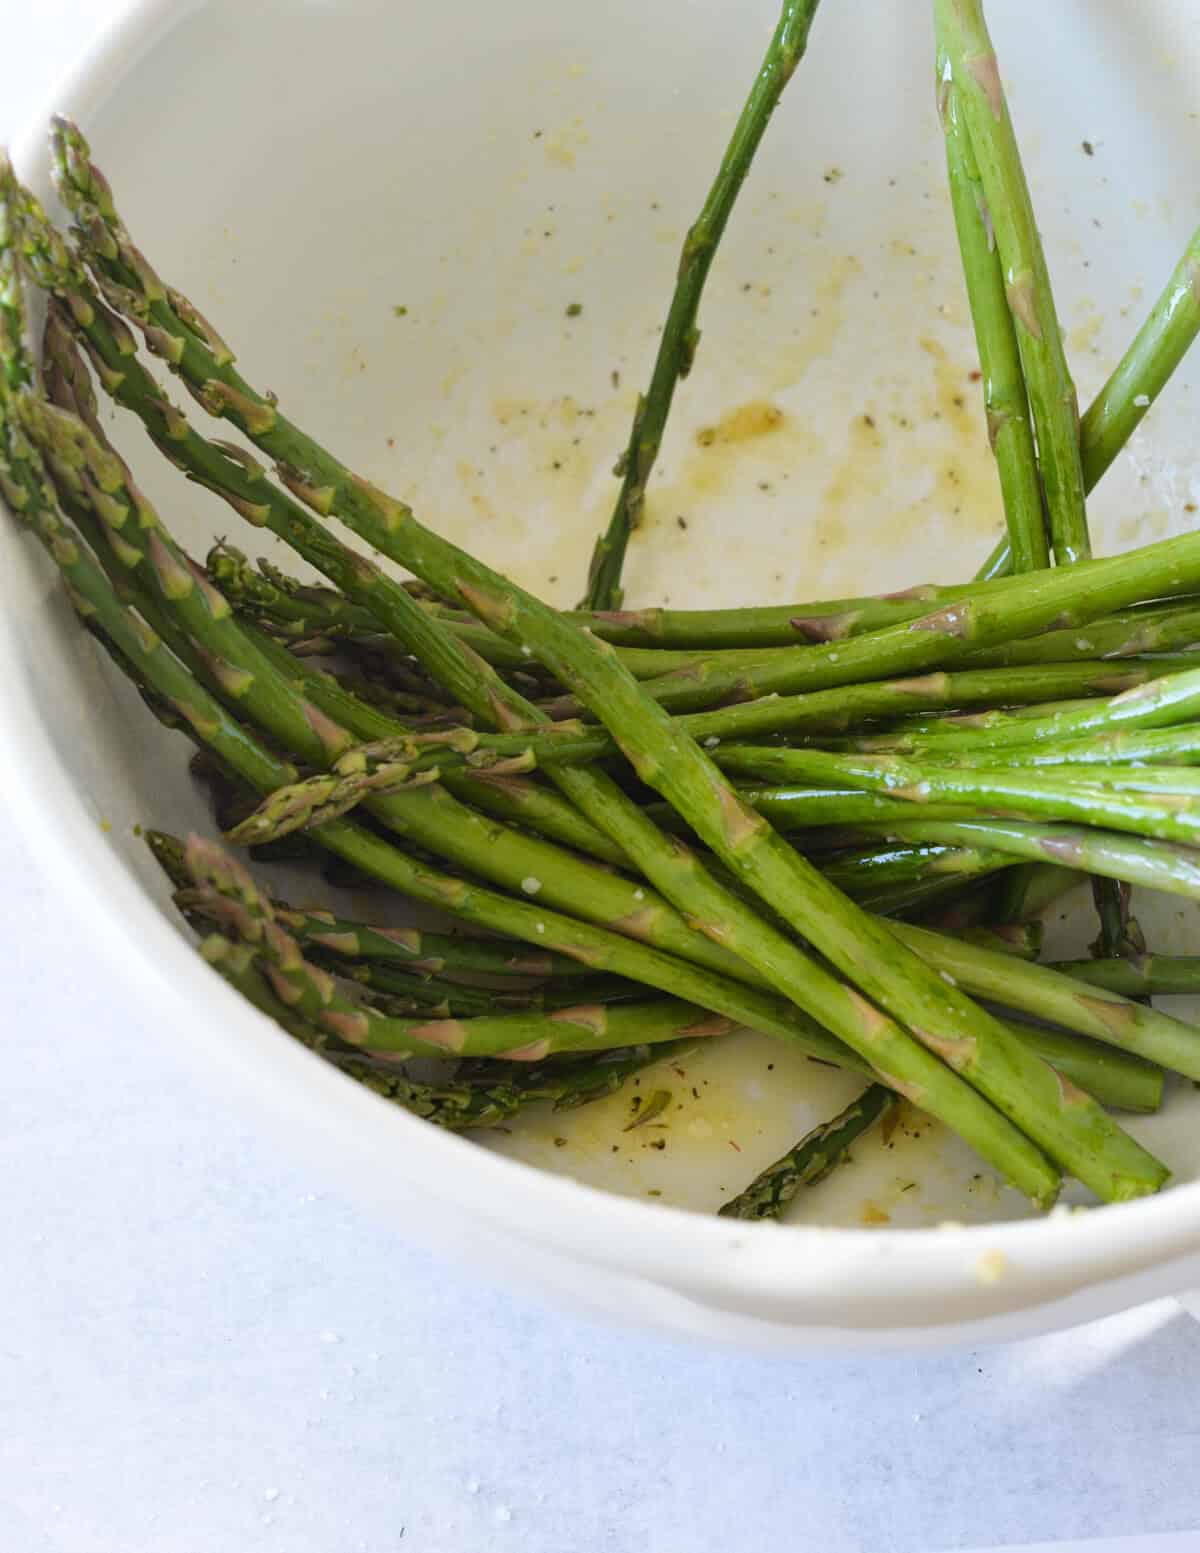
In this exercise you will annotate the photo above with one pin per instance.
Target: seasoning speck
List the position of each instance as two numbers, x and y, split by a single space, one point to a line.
574 309
531 885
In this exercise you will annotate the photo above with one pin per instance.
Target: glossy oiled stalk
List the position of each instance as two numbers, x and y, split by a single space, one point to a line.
969 66
224 892
1114 1077
1030 889
478 1101
1157 747
1159 803
1168 700
992 615
1135 382
1157 865
1005 399
811 1160
1140 975
680 336
1047 994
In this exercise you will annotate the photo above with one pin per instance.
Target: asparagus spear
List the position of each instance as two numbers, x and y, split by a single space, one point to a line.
414 948
395 990
459 1104
1171 699
1119 933
1114 1077
223 891
1135 382
995 336
1138 975
1081 757
858 872
812 1159
968 63
680 336
1026 892
1046 994
1032 795
1155 864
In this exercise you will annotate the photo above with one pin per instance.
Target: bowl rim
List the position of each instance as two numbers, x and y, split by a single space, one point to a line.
742 1265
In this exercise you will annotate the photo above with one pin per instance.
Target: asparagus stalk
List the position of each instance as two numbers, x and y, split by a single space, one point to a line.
857 873
224 891
1163 702
1032 795
1138 975
1004 392
417 950
395 990
1135 382
974 631
968 64
1141 374
1027 891
1086 757
812 1159
461 1104
1046 994
680 336
1119 933
1114 1077
1080 849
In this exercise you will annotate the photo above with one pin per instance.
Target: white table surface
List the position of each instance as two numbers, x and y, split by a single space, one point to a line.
204 1349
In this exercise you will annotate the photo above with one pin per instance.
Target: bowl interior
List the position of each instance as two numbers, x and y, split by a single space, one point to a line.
447 239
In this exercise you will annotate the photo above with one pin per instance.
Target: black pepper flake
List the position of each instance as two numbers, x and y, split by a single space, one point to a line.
1088 148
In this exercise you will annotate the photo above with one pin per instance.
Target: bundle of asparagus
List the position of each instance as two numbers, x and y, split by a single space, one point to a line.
836 822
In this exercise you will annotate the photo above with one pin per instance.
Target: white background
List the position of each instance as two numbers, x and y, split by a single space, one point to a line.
204 1350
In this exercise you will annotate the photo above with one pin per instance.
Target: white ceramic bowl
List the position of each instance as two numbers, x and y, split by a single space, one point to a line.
304 168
